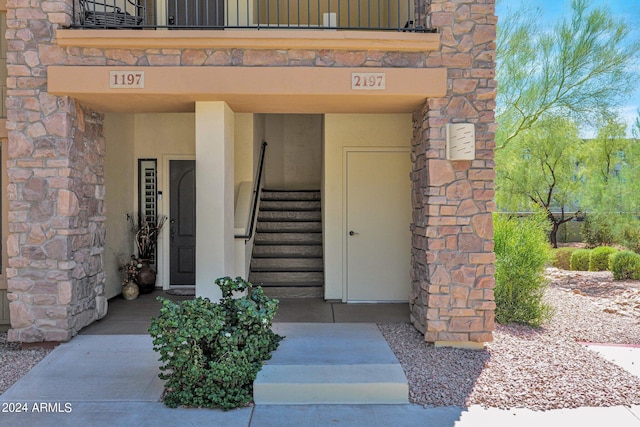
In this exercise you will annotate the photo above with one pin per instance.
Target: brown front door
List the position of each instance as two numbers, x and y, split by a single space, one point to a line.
182 222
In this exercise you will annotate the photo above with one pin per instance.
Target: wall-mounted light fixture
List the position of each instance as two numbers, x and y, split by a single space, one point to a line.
461 141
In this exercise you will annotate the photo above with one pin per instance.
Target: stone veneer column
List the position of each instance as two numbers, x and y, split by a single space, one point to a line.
452 301
56 187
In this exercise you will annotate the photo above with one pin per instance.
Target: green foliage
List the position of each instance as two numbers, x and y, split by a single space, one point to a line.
625 265
599 258
522 253
581 68
580 260
599 229
562 258
213 352
629 235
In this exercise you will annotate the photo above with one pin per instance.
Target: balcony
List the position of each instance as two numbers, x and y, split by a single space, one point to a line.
367 15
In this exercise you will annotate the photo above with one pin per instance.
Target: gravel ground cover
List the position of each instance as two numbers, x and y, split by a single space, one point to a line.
15 362
540 369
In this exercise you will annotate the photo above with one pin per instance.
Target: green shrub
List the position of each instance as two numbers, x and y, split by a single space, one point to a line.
625 265
629 234
599 229
562 258
599 258
213 352
522 252
580 260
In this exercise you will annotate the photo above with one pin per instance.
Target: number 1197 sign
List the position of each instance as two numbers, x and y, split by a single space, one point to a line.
126 79
368 81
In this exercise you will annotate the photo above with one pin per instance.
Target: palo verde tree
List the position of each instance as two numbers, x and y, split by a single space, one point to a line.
581 68
540 171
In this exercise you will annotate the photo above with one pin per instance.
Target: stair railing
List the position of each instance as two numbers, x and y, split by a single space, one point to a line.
257 186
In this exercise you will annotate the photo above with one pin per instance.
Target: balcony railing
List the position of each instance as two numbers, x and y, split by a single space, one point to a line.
372 15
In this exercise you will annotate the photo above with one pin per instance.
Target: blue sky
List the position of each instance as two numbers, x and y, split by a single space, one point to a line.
553 10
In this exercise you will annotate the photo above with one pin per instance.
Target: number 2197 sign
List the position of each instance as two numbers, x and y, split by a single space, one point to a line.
126 79
368 81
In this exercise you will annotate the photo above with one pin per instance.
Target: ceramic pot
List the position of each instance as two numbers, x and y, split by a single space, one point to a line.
146 277
130 290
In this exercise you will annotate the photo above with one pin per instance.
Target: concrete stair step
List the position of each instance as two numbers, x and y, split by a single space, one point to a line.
331 363
296 216
287 251
289 226
287 264
287 278
288 239
294 291
295 205
331 384
290 195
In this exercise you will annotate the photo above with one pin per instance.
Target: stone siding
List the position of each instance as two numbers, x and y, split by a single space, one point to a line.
56 190
452 256
56 161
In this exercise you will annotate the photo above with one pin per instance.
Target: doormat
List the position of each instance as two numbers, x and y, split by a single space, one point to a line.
182 292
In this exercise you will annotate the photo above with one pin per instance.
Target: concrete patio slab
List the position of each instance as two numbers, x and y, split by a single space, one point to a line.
354 416
371 313
308 310
333 343
93 368
627 357
477 416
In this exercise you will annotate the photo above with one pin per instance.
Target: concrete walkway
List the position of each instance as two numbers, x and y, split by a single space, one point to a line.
111 380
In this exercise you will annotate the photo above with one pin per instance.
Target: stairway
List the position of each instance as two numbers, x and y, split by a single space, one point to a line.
287 253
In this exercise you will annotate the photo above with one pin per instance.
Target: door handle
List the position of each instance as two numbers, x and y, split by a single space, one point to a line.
353 233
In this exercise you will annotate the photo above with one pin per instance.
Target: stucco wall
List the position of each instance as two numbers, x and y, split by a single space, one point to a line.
120 181
294 156
350 130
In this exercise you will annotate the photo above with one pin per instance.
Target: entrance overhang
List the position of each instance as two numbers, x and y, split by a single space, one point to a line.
248 89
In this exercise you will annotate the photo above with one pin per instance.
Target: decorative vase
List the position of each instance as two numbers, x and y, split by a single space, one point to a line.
146 277
130 290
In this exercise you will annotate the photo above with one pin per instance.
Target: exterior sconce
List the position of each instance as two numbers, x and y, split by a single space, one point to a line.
461 141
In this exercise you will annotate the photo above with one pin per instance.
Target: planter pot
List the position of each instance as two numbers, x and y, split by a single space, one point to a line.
146 277
130 291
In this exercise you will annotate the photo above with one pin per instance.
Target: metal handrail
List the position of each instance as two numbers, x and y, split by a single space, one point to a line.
257 185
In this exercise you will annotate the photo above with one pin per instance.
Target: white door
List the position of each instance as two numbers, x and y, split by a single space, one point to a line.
378 217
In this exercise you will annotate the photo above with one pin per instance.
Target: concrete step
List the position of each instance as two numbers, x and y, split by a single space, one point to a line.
288 239
295 216
287 251
331 363
289 226
294 291
287 278
287 264
290 195
296 205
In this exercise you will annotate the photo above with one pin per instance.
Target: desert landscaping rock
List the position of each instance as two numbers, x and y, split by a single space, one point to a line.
15 362
540 369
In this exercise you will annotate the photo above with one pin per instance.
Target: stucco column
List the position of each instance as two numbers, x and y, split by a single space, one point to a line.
214 196
452 301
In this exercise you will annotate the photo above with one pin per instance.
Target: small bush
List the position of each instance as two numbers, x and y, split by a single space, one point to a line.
212 352
629 235
522 252
599 229
599 258
625 265
580 260
562 258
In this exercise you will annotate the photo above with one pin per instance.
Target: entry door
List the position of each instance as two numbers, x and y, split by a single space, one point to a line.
378 218
182 222
196 13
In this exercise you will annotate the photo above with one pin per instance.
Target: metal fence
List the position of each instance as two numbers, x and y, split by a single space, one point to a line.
372 15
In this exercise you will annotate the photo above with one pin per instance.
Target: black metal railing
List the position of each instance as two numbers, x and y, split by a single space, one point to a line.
255 197
372 15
